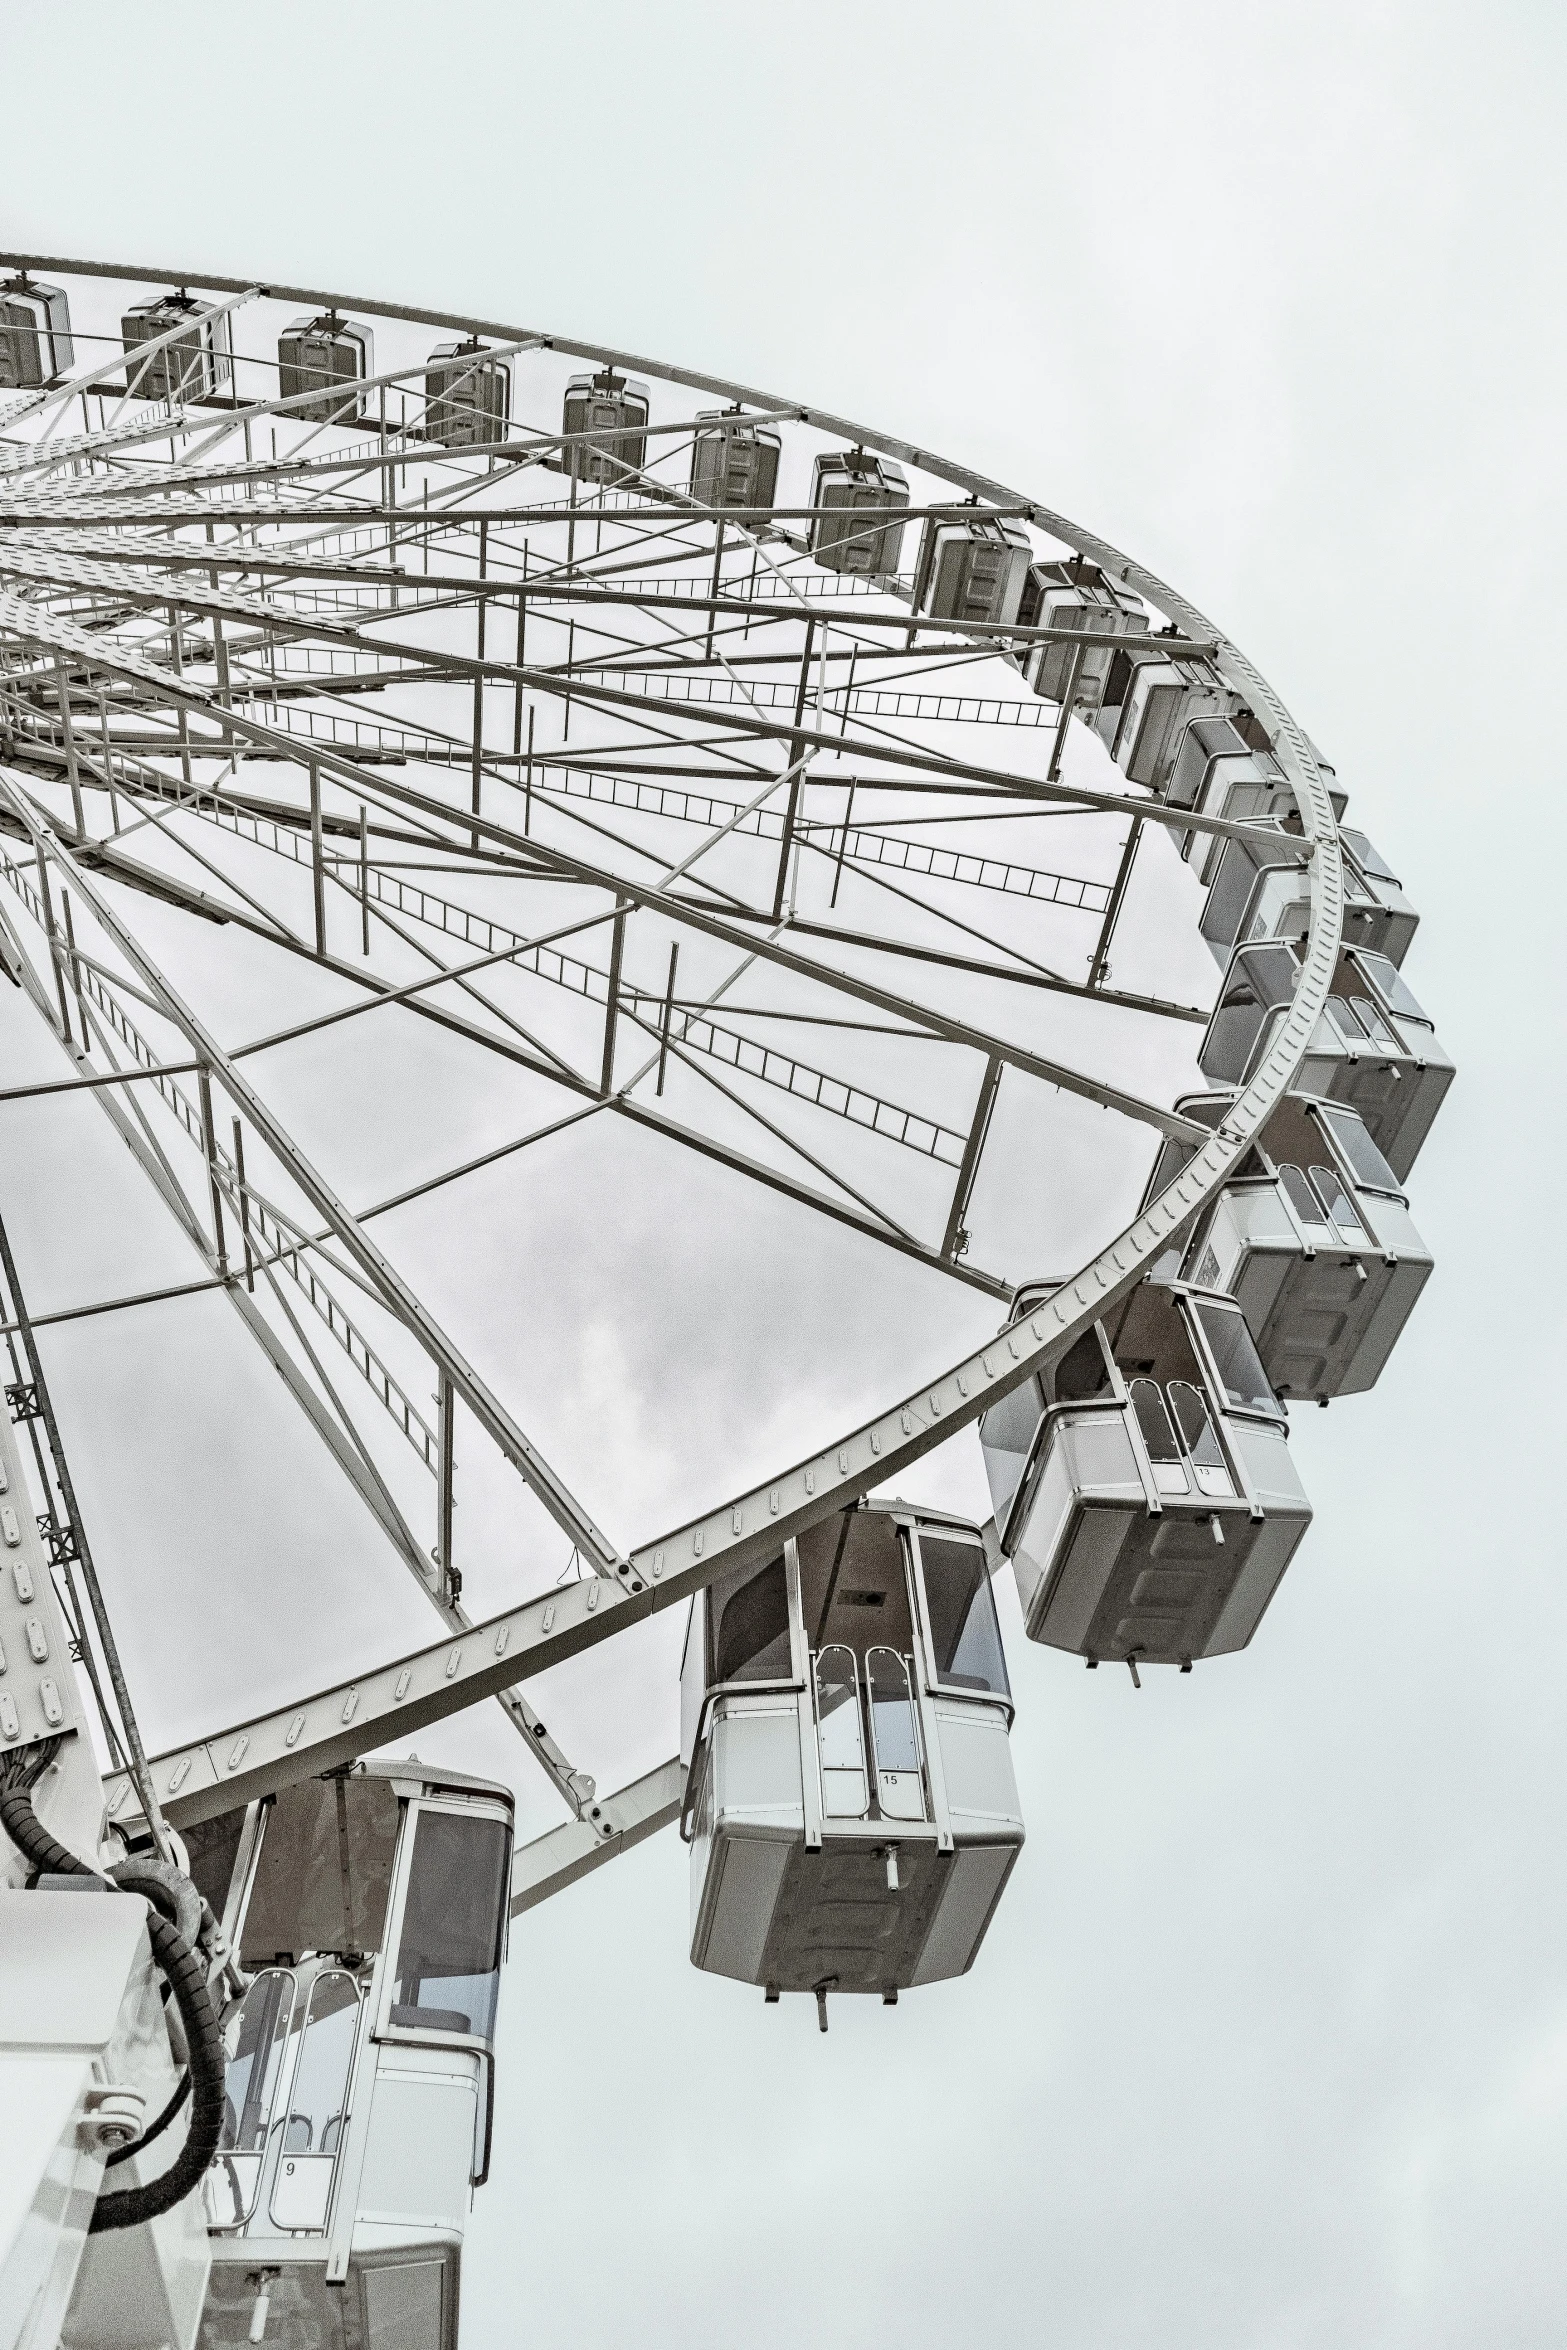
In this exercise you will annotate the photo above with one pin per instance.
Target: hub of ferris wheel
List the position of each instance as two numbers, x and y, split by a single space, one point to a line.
755 783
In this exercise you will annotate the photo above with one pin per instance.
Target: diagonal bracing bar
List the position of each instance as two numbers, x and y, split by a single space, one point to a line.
605 1828
335 1427
392 1291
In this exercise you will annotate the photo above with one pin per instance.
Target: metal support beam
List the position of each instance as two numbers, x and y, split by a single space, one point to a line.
669 1006
74 962
55 954
1099 960
612 1005
341 1441
478 677
393 1292
62 687
796 758
718 572
605 1829
244 1207
177 660
527 804
446 1405
955 1240
108 762
317 867
522 650
843 843
140 1773
209 1144
1068 699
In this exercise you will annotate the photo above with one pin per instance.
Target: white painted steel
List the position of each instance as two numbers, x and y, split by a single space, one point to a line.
348 1718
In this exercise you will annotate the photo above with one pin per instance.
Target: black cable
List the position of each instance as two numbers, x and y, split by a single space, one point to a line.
186 1978
25 1766
33 1840
182 1970
168 1889
153 2129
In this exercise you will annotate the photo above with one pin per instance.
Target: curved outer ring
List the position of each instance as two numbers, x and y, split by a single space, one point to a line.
752 1524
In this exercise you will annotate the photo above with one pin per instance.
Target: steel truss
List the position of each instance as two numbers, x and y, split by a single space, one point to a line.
626 791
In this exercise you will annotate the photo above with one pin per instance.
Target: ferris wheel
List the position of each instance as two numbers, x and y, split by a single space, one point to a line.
823 813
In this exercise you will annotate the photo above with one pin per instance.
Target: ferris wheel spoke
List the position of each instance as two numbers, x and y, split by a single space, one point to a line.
704 1143
1081 796
866 1111
686 911
1030 967
861 1106
873 846
240 607
621 1821
1051 984
677 1050
393 1292
772 1178
824 974
104 1025
267 914
322 1403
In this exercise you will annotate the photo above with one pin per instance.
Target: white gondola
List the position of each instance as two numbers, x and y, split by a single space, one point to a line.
196 366
1313 1238
1147 707
35 334
1373 1046
467 396
859 494
369 1909
1077 595
734 462
612 410
320 363
1262 889
971 567
1226 767
1143 1488
851 1805
1377 914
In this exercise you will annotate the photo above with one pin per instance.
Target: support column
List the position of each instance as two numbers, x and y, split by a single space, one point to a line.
796 754
612 1009
317 867
955 1239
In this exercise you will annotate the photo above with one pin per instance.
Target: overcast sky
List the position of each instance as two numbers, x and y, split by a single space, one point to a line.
1268 2043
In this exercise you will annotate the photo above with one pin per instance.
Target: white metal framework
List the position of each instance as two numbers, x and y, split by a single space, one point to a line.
705 757
699 766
